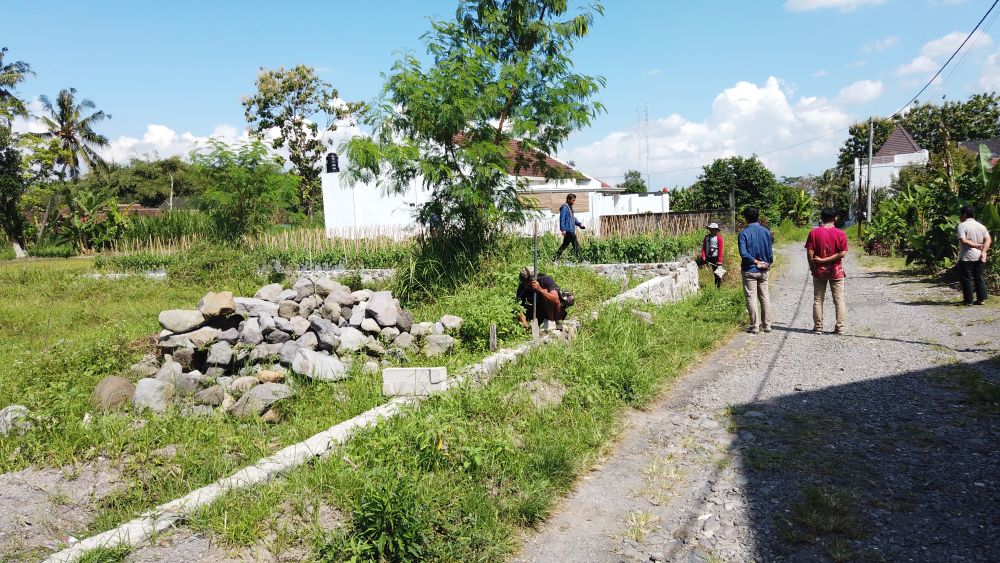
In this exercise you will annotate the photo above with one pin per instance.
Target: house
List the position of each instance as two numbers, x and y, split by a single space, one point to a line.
993 145
368 210
899 150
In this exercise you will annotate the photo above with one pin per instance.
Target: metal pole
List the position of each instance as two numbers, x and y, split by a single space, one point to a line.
732 206
534 293
871 137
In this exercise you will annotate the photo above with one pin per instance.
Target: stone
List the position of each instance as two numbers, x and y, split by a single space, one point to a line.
197 339
272 375
227 402
643 316
404 320
181 320
282 324
320 324
268 292
15 418
272 416
213 396
266 323
325 285
242 384
451 323
288 309
358 314
374 347
225 381
318 366
351 340
389 333
188 384
341 296
288 351
370 326
404 341
300 325
253 307
220 354
147 367
278 337
309 341
330 311
263 352
286 295
438 328
308 305
251 332
370 367
112 393
362 295
328 341
169 372
230 336
754 414
383 308
219 304
304 287
259 399
184 357
438 344
214 373
345 315
153 394
421 329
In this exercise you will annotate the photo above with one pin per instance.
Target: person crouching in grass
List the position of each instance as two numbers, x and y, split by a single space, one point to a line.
549 305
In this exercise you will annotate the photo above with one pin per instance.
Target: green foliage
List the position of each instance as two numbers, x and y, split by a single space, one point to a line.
65 121
634 184
12 74
753 183
136 263
246 187
52 250
217 266
501 72
171 226
93 221
148 181
303 109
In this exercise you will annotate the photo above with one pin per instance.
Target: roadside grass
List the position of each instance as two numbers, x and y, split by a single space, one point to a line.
457 477
828 515
981 394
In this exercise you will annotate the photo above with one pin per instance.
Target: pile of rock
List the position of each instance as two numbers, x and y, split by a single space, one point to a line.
235 353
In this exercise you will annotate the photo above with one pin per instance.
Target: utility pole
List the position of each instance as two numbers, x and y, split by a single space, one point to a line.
732 206
871 138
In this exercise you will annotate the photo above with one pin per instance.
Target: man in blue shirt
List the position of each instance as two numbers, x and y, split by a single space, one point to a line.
567 225
757 256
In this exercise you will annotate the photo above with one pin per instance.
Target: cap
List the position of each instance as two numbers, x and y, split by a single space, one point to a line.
713 225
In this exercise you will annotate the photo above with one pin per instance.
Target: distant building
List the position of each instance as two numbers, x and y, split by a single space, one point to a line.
368 210
899 150
992 144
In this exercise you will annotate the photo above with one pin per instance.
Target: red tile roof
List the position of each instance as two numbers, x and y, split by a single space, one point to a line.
899 142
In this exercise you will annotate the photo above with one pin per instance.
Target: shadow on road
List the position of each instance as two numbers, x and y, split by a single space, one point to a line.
867 337
904 468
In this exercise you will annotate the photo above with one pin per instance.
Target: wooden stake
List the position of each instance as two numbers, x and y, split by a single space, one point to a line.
493 337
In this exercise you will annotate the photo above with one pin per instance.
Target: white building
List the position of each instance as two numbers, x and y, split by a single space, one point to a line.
367 210
899 150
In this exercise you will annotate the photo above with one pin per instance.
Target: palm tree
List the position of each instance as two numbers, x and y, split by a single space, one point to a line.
75 131
12 74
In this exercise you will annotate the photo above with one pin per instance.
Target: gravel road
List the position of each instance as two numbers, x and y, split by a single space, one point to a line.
874 445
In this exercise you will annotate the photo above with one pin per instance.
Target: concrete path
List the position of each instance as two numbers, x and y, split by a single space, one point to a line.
880 444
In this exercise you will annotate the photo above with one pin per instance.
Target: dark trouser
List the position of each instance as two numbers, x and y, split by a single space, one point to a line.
702 262
971 273
568 239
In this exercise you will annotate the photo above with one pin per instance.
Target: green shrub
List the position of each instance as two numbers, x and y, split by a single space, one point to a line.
6 250
52 250
139 262
218 267
170 226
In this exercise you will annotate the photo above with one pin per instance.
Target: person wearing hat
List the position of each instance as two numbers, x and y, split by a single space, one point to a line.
711 252
550 307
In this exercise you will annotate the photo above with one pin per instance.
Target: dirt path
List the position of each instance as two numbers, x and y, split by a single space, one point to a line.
880 444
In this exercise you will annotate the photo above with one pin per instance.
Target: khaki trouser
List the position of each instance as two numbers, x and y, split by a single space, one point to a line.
754 289
819 296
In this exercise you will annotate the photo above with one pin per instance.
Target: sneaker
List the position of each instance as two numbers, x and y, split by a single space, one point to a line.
752 330
767 328
817 330
838 331
980 302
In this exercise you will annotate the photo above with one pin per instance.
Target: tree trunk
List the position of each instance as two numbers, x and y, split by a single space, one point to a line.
18 251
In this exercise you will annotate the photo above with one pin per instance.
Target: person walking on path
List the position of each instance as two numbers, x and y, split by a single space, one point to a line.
973 244
567 225
711 251
826 247
757 255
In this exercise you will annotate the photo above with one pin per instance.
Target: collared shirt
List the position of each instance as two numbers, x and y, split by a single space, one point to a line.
825 241
755 244
567 221
973 230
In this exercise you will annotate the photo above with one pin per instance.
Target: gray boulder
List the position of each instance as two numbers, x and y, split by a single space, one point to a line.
341 296
169 371
383 308
262 352
268 292
278 337
188 384
220 354
214 373
287 353
196 339
287 295
438 344
282 324
242 384
318 366
374 347
309 341
326 285
288 309
230 335
253 307
147 367
362 295
181 320
389 333
358 314
451 323
266 323
404 320
370 326
300 325
304 287
153 394
320 324
259 399
351 340
219 304
438 328
184 357
405 341
309 304
251 332
212 396
328 341
643 316
112 393
421 329
330 311
15 418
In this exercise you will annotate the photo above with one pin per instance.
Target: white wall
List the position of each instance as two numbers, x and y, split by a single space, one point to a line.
367 208
886 169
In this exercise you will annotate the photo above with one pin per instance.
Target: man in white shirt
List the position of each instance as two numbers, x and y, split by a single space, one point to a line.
973 244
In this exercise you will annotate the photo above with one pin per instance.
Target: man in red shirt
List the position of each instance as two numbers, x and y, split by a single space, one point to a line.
827 246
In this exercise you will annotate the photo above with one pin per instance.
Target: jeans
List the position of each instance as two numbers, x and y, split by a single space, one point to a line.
819 296
972 275
568 239
755 289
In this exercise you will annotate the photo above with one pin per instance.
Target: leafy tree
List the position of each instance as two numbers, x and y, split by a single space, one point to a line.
151 183
501 72
93 220
12 181
302 108
246 186
833 189
67 122
976 118
11 75
753 182
634 184
856 145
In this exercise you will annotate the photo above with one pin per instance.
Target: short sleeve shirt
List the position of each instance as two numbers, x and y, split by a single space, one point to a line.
825 242
972 230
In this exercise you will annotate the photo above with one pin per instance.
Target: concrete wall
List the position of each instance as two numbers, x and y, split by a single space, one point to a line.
886 169
680 282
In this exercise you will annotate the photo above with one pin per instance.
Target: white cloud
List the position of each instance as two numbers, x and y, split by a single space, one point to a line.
861 92
880 45
745 119
820 73
937 50
842 5
160 141
653 72
990 79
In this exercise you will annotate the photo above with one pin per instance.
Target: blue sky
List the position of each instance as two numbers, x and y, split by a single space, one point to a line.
719 77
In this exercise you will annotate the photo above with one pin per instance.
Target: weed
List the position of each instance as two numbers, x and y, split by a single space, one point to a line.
826 510
638 524
105 555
